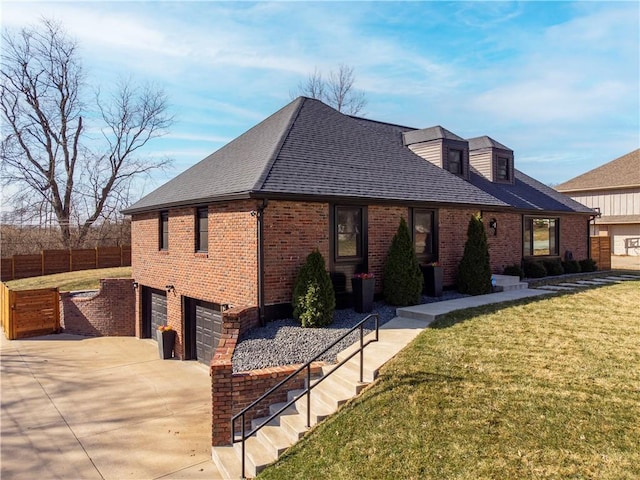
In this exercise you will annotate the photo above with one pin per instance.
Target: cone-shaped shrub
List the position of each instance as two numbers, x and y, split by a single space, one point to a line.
402 277
474 271
314 300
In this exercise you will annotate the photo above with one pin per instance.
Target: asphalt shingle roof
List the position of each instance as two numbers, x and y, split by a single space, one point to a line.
327 153
479 143
528 194
309 149
621 172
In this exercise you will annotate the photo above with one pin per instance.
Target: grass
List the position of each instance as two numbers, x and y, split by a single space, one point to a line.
540 389
66 282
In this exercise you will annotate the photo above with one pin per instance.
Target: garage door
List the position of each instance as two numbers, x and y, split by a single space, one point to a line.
208 325
158 310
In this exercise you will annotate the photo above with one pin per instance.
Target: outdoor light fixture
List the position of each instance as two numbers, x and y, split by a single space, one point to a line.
493 224
135 285
170 288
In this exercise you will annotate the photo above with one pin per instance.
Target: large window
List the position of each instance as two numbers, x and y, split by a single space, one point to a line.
454 164
424 234
541 236
202 230
502 172
348 232
164 231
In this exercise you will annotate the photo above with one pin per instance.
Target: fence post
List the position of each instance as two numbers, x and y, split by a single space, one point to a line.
97 259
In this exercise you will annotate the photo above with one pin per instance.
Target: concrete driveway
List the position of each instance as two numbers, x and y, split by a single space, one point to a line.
105 408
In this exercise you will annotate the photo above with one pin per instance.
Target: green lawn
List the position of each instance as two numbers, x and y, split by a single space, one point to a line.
548 388
81 280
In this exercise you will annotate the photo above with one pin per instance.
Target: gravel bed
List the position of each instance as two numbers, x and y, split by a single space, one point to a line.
285 342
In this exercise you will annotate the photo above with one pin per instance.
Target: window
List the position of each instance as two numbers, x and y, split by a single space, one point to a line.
454 164
502 172
348 232
202 230
164 230
423 234
541 236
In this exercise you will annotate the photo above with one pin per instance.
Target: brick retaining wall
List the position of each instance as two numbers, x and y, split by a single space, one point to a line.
110 312
231 392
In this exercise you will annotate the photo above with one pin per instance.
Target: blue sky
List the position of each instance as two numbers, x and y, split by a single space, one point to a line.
558 82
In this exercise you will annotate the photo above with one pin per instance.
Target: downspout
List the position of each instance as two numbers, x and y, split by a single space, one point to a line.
592 218
260 252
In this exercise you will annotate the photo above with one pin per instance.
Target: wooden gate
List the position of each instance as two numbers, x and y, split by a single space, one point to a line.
28 313
601 252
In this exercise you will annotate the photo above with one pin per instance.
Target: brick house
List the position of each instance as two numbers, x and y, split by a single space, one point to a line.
233 230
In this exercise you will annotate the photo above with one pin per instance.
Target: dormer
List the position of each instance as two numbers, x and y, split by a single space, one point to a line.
492 160
441 147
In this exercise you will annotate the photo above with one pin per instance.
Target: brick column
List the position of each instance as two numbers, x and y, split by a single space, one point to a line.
221 401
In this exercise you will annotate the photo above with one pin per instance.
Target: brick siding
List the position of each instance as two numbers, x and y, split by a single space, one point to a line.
110 312
226 274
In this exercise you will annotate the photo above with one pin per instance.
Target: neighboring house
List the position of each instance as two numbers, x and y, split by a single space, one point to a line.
234 229
613 189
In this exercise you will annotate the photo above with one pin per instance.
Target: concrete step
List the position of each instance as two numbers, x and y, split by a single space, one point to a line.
227 461
351 369
257 455
319 409
344 379
293 423
330 395
507 283
275 438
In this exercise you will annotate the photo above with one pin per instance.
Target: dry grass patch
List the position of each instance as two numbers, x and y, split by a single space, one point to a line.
70 281
540 389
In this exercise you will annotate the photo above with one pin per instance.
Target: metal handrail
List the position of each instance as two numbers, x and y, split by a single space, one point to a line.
307 390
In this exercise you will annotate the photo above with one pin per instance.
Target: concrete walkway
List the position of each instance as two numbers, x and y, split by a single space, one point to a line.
102 408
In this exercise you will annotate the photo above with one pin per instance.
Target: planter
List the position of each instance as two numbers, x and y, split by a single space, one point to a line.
166 340
433 276
363 294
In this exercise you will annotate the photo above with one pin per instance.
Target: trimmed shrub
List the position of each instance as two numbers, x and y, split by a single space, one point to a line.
534 270
571 266
314 300
513 270
474 271
402 277
588 265
553 267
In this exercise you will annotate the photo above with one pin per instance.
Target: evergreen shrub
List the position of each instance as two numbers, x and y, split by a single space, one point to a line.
571 266
553 267
534 269
474 271
314 300
402 278
588 265
513 270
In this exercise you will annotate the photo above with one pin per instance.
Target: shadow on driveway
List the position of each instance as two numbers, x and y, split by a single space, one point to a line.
104 408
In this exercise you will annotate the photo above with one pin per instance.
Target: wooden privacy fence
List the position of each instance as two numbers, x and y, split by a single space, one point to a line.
27 313
60 261
601 252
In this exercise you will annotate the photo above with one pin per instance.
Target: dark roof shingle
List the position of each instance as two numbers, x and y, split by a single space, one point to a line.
308 149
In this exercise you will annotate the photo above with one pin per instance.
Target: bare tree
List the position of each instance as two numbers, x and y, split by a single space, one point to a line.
338 91
45 149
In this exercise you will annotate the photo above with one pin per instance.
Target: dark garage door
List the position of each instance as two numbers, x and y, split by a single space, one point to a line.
154 310
158 311
205 325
